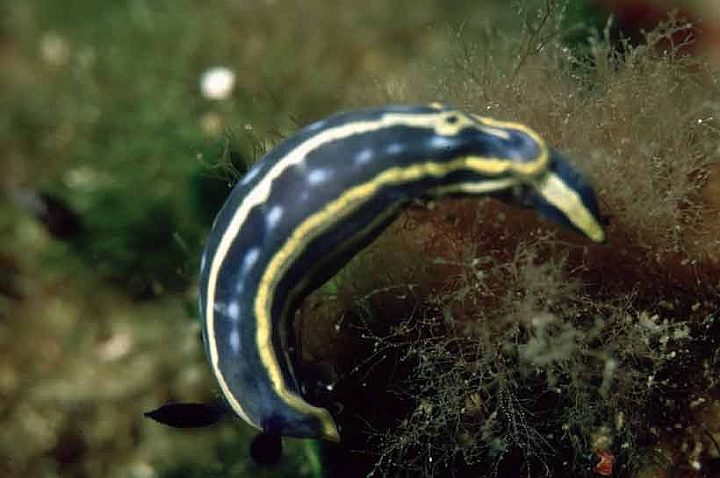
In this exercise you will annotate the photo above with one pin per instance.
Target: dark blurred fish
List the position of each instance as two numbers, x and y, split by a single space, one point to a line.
54 213
188 415
265 449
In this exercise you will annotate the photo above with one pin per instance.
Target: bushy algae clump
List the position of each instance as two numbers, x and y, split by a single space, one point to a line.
522 351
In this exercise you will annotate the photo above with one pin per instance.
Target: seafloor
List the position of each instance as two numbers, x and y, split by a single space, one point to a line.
472 339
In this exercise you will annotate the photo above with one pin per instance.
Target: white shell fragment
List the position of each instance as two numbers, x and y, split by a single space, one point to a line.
217 83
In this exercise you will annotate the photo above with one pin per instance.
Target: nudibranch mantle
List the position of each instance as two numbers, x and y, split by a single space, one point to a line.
320 196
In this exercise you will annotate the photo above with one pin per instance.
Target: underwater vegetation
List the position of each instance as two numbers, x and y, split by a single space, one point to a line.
471 339
299 215
516 353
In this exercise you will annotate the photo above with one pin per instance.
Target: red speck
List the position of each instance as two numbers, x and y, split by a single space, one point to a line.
604 466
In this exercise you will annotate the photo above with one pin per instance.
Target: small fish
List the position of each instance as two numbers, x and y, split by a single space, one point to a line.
189 415
265 449
55 214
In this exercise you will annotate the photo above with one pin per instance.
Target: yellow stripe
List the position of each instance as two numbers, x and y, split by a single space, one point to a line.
484 187
554 190
345 204
329 426
498 128
261 192
302 285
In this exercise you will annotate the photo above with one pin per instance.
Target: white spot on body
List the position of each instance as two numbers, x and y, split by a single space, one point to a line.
318 176
441 142
273 216
316 125
500 133
364 156
249 176
395 148
234 341
203 262
233 311
251 257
